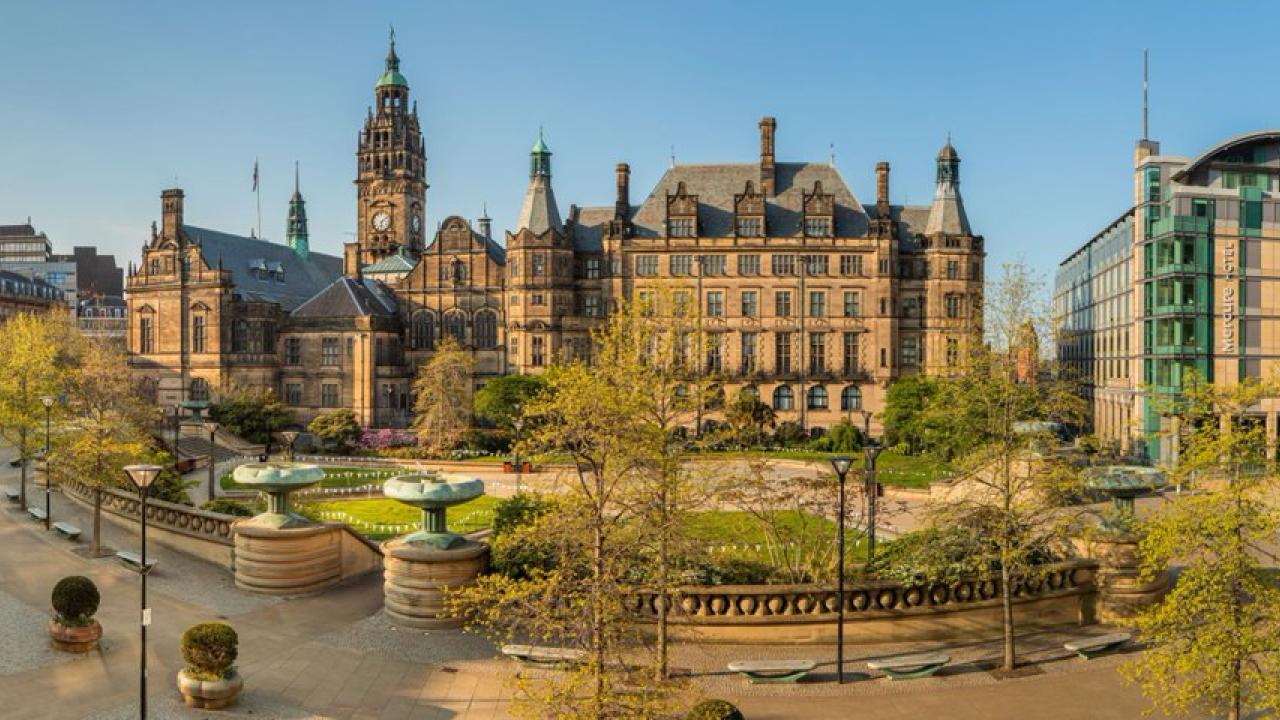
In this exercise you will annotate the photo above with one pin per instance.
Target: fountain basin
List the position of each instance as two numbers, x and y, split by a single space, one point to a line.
433 493
277 480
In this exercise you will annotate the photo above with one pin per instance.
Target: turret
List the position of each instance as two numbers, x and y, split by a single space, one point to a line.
296 232
947 215
539 212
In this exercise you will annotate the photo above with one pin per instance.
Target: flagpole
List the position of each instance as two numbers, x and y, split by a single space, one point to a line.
257 193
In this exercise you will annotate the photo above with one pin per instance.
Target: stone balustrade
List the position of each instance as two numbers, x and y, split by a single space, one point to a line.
1066 593
182 519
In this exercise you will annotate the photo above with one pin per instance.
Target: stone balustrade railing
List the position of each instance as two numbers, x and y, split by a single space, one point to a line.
793 604
182 519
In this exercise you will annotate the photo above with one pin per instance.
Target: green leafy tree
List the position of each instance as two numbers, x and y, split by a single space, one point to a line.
35 365
1214 641
501 399
337 429
748 420
251 412
443 397
904 412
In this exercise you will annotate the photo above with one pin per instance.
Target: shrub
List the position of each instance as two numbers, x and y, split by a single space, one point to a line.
75 599
519 510
488 442
843 437
789 434
338 430
714 710
733 571
227 506
209 650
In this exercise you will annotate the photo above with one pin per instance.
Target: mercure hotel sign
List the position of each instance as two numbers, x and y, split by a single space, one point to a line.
1229 300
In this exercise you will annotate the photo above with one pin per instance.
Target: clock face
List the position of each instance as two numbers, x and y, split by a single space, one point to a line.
381 221
417 223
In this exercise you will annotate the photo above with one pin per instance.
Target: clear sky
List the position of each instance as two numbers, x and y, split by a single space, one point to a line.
106 103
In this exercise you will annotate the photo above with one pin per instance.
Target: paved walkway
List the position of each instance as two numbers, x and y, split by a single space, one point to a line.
334 656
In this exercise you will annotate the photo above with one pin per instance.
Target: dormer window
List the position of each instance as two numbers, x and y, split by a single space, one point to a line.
819 212
682 213
749 211
750 227
680 227
817 227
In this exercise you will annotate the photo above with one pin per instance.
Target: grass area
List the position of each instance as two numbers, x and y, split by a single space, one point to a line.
894 467
741 532
366 515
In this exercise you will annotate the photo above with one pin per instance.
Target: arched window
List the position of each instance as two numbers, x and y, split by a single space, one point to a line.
199 389
851 398
817 398
455 326
486 329
422 330
784 398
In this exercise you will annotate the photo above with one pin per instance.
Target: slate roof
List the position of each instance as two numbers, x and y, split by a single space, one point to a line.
347 297
539 212
390 264
240 255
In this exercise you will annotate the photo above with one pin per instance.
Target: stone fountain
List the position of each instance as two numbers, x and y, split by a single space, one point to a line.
280 552
1124 592
419 566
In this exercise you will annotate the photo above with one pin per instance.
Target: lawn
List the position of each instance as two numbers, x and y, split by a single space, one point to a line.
893 467
381 518
739 533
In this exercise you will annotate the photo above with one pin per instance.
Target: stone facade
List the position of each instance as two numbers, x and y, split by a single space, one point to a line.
807 297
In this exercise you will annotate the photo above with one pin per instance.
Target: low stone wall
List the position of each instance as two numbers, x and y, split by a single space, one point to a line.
206 535
877 612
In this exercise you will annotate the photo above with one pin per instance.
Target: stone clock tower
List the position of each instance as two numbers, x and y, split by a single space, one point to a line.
391 187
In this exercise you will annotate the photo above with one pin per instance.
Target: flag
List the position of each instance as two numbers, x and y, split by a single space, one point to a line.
255 175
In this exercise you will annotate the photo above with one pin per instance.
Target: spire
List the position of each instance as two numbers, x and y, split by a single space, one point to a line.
392 75
539 212
393 62
296 235
947 215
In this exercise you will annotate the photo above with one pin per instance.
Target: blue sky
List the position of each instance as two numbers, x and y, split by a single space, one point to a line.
106 103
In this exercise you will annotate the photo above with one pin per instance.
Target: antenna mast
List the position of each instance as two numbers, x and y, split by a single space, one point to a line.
1145 104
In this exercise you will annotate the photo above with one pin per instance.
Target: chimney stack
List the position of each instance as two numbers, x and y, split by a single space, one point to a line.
768 126
171 220
882 189
486 226
622 205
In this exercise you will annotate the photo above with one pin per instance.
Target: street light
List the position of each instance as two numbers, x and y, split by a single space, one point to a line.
517 423
142 477
212 427
47 401
841 464
871 449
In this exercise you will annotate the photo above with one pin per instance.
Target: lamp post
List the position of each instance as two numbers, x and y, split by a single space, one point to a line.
517 424
871 449
177 417
388 393
47 401
142 477
212 428
841 464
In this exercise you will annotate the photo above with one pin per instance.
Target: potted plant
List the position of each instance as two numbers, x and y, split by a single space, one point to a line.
714 710
209 681
72 628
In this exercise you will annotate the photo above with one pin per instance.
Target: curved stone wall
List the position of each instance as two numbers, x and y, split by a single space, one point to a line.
876 612
416 576
293 561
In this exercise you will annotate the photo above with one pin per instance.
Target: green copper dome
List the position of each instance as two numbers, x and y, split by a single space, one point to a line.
540 146
392 77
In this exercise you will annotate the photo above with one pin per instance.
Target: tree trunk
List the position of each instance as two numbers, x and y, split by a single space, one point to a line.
22 484
597 600
1006 606
96 549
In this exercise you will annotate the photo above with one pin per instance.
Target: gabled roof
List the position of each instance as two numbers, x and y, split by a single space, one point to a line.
242 255
397 263
715 185
347 297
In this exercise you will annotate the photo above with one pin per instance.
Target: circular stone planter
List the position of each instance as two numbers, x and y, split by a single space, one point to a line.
69 638
419 567
1123 591
209 694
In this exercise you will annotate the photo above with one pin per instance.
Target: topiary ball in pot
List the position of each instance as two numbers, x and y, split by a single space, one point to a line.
209 680
75 599
714 710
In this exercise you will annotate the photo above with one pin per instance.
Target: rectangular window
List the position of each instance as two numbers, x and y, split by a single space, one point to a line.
910 350
146 335
293 351
680 303
782 303
329 395
680 227
329 352
817 227
817 352
953 305
715 303
539 265
293 394
715 352
852 303
197 333
591 305
647 265
884 357
817 303
850 353
538 299
748 353
816 264
681 265
351 348
538 351
884 267
750 307
782 353
783 264
593 268
953 270
748 264
714 265
750 227
850 264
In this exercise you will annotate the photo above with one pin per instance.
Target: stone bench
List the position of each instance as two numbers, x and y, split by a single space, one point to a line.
134 561
12 494
772 671
1092 646
71 532
544 656
37 513
902 667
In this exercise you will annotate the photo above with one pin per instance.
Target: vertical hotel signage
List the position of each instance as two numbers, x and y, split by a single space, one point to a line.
1229 300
